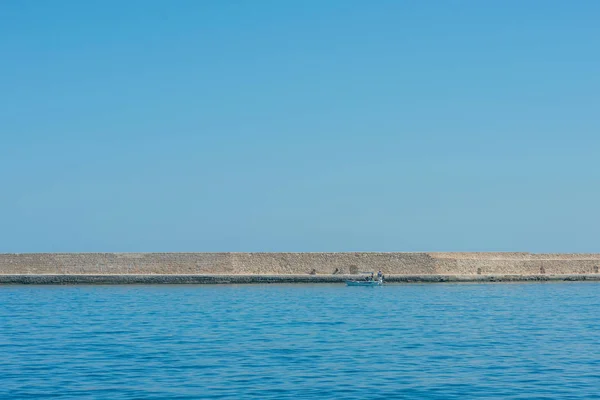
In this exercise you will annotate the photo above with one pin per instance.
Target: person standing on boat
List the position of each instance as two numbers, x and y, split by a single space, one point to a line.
380 276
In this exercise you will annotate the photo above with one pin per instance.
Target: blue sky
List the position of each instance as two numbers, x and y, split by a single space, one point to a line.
299 126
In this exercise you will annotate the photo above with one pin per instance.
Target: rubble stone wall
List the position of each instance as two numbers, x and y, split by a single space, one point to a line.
298 263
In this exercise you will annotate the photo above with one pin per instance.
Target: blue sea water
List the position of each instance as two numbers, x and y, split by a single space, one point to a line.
431 341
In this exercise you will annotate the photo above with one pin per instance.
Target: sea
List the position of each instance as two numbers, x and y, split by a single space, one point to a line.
301 341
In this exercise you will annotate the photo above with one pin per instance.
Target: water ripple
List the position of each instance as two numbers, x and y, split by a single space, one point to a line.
455 341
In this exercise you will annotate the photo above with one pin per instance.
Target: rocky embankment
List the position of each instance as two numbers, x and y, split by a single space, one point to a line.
65 268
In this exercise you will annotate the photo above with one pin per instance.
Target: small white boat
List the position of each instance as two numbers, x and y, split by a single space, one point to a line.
364 283
368 281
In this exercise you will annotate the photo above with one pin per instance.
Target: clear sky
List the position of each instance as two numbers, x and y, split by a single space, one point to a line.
312 125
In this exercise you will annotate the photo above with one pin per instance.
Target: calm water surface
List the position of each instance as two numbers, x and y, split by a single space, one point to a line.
434 341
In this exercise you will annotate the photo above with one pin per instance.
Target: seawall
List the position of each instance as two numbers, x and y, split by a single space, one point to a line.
291 267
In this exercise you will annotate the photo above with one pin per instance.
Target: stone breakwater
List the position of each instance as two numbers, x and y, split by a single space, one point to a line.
291 267
240 279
